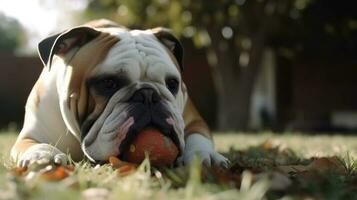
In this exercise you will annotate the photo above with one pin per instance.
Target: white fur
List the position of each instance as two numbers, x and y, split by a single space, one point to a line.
42 153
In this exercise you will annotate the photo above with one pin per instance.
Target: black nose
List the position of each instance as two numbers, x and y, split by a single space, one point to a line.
146 96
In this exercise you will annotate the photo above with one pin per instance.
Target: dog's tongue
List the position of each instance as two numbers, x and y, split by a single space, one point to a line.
161 150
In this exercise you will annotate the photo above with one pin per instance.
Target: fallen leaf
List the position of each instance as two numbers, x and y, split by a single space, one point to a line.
219 175
122 168
327 164
58 173
117 163
321 165
268 144
126 170
48 172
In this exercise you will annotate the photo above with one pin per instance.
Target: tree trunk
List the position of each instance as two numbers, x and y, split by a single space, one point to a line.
235 83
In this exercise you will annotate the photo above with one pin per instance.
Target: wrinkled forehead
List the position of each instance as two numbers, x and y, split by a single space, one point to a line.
138 54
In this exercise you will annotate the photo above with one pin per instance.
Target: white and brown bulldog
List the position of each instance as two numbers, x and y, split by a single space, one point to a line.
100 86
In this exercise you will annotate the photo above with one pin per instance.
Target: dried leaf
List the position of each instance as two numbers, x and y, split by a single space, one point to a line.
49 172
268 144
126 170
58 173
123 168
227 177
117 163
327 164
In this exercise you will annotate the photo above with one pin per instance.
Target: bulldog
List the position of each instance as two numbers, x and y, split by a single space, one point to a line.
102 84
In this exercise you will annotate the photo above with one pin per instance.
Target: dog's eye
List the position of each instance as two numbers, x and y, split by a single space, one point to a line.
109 84
172 84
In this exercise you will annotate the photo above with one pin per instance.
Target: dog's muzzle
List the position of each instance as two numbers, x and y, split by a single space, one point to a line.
149 111
125 115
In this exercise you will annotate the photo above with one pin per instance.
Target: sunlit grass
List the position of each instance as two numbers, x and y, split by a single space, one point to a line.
148 183
304 144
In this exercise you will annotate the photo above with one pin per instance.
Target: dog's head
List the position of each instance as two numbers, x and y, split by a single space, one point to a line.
113 82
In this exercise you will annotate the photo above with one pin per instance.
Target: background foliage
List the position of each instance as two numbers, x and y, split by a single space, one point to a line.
236 33
12 34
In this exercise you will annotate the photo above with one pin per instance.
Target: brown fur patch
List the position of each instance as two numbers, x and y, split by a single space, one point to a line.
194 123
22 145
81 66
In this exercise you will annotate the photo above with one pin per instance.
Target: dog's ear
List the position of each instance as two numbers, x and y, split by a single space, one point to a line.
61 43
171 42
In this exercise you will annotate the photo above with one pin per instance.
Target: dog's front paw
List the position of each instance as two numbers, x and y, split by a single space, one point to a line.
200 146
42 154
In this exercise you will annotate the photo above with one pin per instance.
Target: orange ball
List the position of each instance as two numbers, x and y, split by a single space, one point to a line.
161 150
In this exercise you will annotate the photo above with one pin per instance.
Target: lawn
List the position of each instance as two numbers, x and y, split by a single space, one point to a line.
264 166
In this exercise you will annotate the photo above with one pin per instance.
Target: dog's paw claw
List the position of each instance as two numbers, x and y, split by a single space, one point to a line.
42 154
202 147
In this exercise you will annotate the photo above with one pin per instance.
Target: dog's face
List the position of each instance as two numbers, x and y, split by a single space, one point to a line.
116 83
137 85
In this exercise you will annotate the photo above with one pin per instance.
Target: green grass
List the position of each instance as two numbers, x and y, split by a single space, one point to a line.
200 183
